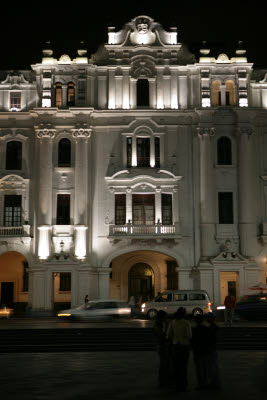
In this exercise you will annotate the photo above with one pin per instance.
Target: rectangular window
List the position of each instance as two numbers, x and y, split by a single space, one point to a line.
166 205
120 209
227 98
143 152
65 281
157 152
226 212
81 90
15 100
12 210
143 209
129 152
219 98
63 209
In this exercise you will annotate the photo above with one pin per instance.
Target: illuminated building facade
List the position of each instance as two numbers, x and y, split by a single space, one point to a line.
136 170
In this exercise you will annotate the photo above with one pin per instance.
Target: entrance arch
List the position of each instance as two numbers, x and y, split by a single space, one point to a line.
14 280
130 268
141 282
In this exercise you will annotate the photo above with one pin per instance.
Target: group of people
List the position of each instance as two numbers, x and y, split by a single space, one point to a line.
176 339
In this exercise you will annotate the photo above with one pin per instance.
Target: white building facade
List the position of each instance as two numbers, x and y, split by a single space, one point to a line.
136 170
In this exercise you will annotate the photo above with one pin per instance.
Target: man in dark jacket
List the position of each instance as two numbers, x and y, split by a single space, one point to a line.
200 346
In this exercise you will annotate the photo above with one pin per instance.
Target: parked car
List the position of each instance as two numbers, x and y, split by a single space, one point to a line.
97 309
196 302
252 306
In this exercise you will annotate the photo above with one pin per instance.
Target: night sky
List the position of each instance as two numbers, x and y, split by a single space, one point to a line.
25 27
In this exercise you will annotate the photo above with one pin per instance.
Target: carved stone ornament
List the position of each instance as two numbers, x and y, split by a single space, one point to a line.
81 131
206 131
45 131
246 131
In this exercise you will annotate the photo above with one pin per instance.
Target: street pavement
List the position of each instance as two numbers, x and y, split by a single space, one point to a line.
122 375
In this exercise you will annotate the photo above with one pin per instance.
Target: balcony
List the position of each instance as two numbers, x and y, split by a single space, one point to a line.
15 231
157 231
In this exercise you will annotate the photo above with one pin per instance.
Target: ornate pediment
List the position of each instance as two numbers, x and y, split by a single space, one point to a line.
15 79
142 30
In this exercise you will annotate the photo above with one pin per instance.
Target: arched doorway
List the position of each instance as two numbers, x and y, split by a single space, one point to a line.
14 280
141 281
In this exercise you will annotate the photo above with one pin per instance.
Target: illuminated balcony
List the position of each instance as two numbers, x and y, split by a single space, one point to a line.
157 231
15 231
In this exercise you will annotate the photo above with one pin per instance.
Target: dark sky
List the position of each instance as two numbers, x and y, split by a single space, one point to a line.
26 26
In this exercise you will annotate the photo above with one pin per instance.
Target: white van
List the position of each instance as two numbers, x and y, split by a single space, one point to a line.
196 302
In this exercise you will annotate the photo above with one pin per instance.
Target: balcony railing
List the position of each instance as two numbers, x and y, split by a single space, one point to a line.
144 230
9 231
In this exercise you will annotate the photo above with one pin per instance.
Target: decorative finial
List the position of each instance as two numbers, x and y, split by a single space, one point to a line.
82 51
204 50
240 51
47 51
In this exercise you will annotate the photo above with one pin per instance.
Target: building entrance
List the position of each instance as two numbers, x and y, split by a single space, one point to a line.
141 282
229 284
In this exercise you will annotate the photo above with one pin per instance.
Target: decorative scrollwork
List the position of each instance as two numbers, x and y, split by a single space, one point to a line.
246 131
206 131
45 131
81 131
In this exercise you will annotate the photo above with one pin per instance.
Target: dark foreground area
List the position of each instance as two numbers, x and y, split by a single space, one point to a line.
121 375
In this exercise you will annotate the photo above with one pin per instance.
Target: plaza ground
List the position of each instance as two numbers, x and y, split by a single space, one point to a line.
121 375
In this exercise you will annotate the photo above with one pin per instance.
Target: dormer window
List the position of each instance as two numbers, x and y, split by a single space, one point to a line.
15 101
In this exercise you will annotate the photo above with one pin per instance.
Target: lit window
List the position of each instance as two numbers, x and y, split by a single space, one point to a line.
216 94
230 93
59 102
71 95
15 101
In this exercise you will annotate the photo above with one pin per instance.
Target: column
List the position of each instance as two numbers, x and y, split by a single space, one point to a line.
125 90
111 89
81 189
102 92
175 210
64 94
152 151
207 192
174 90
118 91
167 91
152 92
247 206
160 100
223 96
183 92
133 93
158 213
45 190
103 282
129 212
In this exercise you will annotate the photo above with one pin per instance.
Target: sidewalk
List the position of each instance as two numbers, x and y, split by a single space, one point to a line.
121 375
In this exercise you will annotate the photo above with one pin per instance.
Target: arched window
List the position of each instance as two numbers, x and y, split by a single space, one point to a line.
13 155
59 102
64 153
224 151
71 94
230 93
142 93
216 93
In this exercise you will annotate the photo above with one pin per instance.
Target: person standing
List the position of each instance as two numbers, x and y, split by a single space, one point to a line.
200 346
229 303
180 333
160 331
86 299
132 305
214 375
